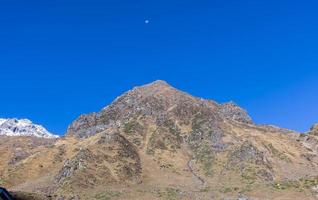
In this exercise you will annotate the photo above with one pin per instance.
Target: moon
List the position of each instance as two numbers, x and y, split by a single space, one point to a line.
147 21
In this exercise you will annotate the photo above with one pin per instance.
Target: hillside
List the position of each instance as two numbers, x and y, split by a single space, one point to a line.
156 142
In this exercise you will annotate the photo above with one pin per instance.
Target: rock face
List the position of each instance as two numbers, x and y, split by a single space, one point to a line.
23 127
232 111
156 142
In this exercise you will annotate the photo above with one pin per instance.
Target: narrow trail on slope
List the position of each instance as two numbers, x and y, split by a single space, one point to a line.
191 168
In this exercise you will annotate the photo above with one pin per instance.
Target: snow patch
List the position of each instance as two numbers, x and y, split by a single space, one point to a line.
23 127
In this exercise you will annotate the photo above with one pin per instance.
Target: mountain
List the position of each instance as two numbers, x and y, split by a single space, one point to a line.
314 130
23 127
156 142
156 100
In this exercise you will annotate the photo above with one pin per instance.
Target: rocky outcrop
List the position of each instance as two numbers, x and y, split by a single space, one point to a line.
233 112
247 152
250 162
78 162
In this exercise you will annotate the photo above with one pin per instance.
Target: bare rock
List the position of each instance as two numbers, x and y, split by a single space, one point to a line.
247 152
71 166
234 112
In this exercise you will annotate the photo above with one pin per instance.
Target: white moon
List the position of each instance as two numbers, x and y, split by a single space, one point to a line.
147 21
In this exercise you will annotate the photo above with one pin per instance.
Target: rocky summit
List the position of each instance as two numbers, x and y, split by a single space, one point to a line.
156 142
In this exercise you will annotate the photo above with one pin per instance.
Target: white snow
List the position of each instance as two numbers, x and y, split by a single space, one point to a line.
23 127
2 120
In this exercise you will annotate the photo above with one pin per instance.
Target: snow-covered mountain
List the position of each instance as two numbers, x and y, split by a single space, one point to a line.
23 127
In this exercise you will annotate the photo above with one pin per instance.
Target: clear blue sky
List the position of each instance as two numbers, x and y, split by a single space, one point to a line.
62 58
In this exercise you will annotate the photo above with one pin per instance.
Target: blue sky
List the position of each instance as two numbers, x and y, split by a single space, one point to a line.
62 58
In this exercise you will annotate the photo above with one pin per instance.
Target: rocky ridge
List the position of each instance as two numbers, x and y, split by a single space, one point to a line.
157 99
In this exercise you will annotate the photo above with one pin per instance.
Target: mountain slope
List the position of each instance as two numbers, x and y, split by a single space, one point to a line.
156 142
23 127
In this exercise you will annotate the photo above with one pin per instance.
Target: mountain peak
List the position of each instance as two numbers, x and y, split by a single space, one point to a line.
314 129
159 83
23 127
155 87
157 101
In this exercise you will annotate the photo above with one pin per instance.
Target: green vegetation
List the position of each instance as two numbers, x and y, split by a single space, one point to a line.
249 178
66 181
165 138
226 190
278 154
249 174
247 188
286 185
169 193
137 141
202 148
301 184
107 195
129 127
229 189
197 122
151 144
174 139
205 157
207 168
206 189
